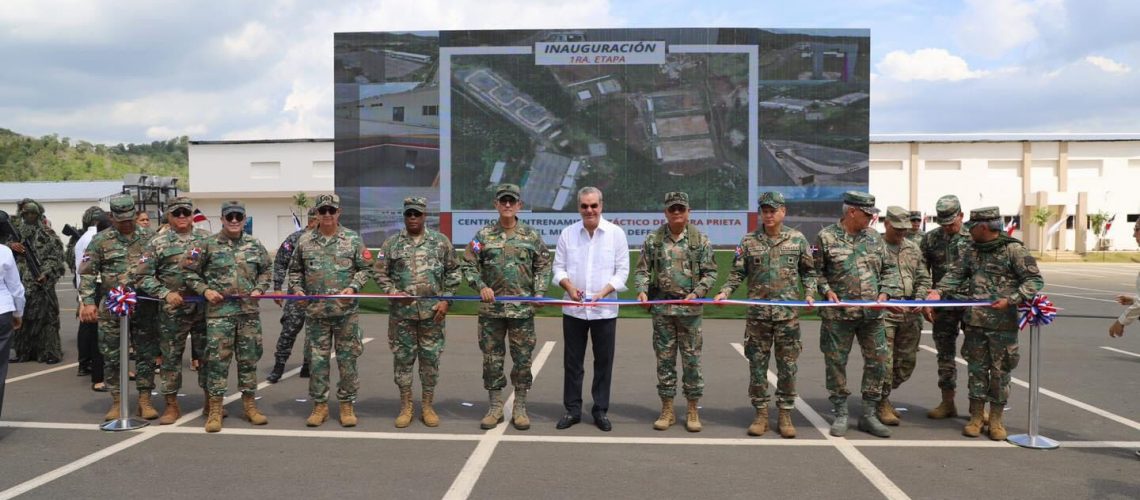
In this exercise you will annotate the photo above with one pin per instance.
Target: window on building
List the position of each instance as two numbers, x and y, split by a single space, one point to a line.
431 110
398 114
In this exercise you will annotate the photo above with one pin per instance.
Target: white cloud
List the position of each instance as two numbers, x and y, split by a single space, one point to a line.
926 64
251 42
1107 64
993 27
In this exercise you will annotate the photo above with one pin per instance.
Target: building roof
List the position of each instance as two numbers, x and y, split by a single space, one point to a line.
261 141
1007 137
49 191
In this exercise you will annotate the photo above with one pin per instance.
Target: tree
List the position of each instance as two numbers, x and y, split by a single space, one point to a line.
1040 218
1097 221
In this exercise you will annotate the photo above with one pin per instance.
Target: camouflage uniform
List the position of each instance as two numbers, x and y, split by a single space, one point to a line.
162 270
904 330
231 267
671 268
38 340
855 267
940 251
424 266
1001 268
517 264
106 264
326 265
293 312
777 268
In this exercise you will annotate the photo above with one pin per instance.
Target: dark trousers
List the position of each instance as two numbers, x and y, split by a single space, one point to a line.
575 333
88 342
5 346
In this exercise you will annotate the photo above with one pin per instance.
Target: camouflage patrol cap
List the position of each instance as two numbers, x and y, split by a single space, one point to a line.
232 206
948 208
915 216
31 206
328 200
676 198
122 208
416 203
511 190
984 214
180 202
772 199
312 212
91 215
861 200
898 218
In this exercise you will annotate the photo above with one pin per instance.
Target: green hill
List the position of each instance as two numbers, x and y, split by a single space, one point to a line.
52 158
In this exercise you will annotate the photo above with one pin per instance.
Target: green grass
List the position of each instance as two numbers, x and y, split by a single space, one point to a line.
723 262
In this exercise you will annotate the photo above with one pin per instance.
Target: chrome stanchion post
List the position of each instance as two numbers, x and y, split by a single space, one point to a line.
1032 439
124 422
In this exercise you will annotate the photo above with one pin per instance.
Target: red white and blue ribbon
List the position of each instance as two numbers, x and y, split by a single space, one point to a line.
1036 311
121 301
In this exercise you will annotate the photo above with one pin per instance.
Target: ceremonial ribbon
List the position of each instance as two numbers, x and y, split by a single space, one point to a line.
1036 311
121 301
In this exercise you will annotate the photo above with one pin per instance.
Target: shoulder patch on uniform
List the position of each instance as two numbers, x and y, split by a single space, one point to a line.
86 257
367 254
739 251
476 246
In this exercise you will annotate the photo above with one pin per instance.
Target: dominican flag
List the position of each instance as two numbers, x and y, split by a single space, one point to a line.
1012 225
296 221
1108 223
201 221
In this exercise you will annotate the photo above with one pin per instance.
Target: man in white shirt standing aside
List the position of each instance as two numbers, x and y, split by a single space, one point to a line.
11 302
591 262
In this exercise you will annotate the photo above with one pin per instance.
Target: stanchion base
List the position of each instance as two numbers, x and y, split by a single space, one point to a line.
124 424
1035 442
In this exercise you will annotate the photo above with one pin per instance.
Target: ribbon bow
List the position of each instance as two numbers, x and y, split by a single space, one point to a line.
1036 311
121 301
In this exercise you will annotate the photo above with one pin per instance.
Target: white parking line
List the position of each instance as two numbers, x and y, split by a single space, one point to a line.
864 465
41 372
1060 397
469 475
1113 349
1050 285
1078 297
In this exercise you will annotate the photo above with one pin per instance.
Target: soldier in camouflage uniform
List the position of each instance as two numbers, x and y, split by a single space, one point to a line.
853 265
941 247
38 340
777 262
422 262
507 258
293 313
231 263
161 273
676 262
915 232
903 324
995 268
106 264
331 259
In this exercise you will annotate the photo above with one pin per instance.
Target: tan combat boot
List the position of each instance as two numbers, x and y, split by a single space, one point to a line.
172 412
319 415
206 394
428 414
214 414
250 411
404 419
667 417
494 414
787 430
997 427
946 408
519 418
347 414
973 428
113 413
692 420
887 413
146 409
760 423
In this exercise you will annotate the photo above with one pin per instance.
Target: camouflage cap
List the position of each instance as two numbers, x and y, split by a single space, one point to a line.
676 198
233 206
328 200
417 203
898 218
984 214
511 190
180 202
122 208
861 200
915 216
31 206
91 215
312 212
772 199
947 207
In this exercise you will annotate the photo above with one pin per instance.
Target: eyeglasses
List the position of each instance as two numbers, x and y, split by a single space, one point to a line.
326 210
507 200
678 209
590 206
412 214
181 212
235 217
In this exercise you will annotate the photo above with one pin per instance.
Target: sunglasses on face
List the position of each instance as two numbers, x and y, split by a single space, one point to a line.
677 209
180 212
412 214
326 210
590 206
508 201
235 217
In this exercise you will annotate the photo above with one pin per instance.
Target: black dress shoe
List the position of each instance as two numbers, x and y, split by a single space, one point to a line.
603 423
566 421
51 360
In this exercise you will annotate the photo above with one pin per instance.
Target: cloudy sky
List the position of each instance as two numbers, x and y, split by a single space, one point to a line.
140 70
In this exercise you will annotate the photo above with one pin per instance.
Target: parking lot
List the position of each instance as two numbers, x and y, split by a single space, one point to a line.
51 446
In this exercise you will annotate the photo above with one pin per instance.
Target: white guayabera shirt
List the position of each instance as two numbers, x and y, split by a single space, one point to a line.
590 263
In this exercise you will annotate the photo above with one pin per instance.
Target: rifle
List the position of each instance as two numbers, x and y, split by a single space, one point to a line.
30 258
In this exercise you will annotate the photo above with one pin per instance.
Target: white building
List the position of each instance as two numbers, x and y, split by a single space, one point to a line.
63 202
